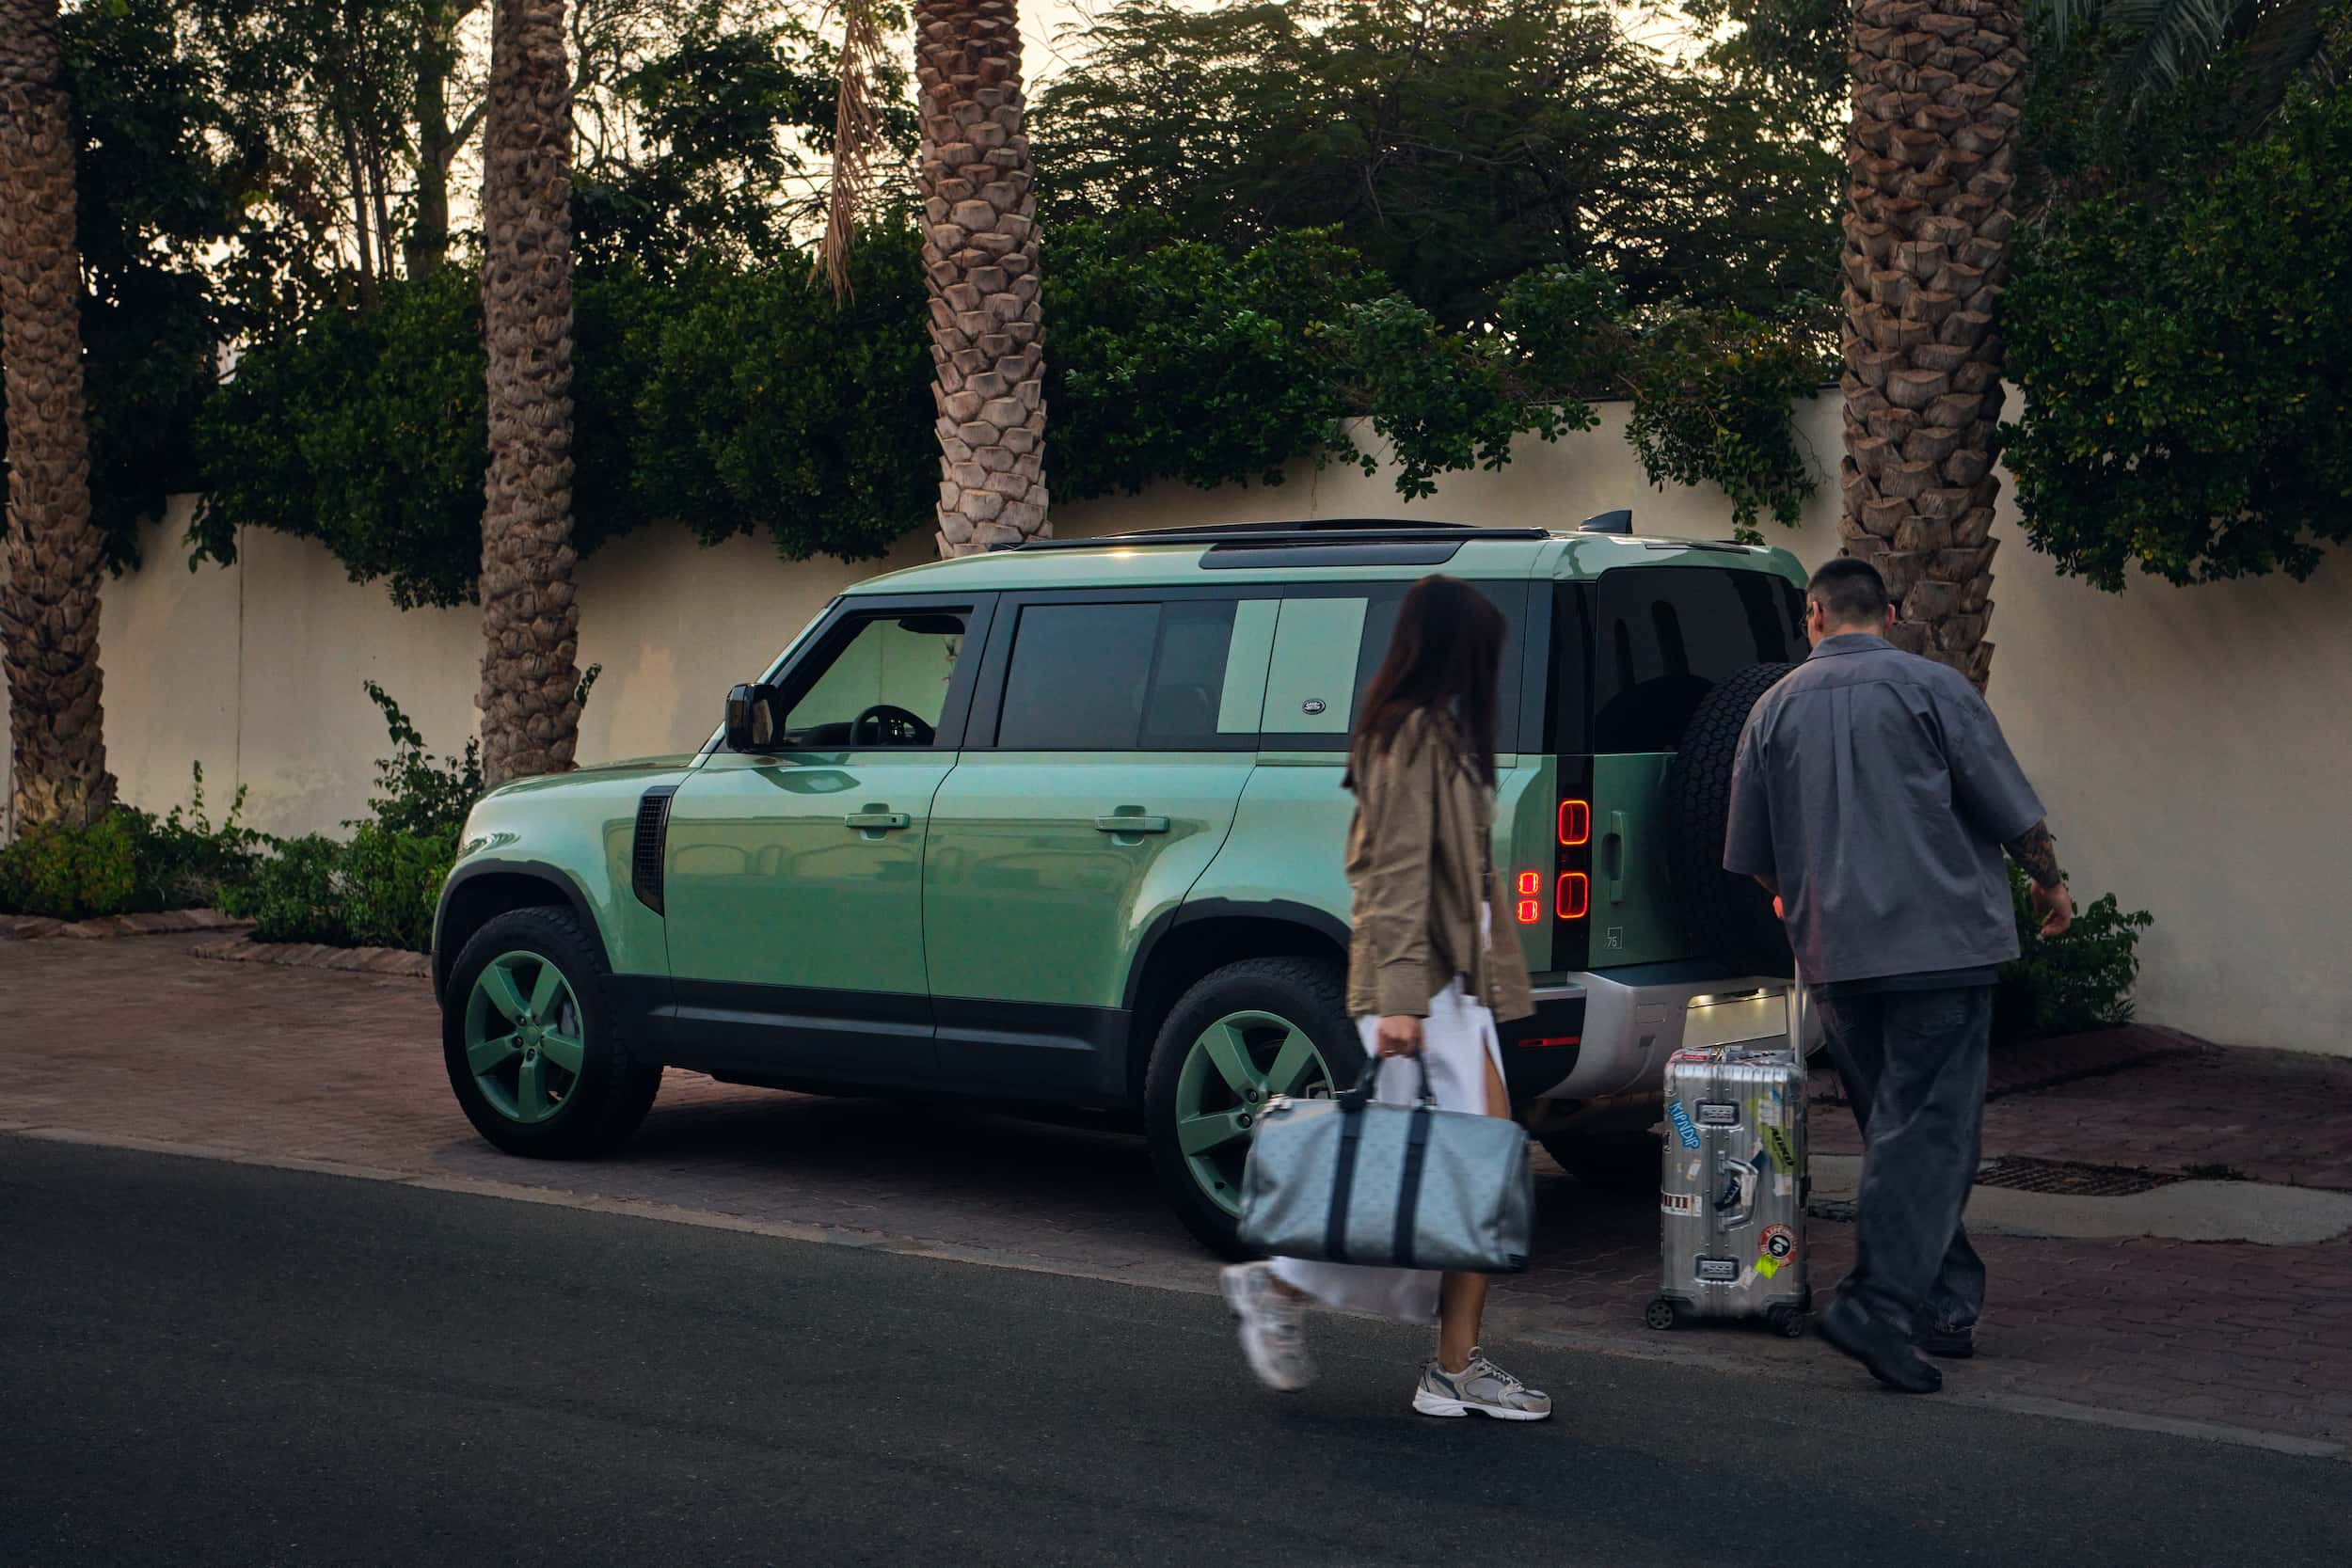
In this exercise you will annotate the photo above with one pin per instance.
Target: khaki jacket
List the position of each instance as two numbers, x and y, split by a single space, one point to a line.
1422 875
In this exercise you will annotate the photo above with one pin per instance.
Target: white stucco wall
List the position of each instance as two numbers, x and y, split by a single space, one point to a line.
2191 744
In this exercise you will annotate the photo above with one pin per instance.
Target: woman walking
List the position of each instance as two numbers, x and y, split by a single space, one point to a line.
1424 978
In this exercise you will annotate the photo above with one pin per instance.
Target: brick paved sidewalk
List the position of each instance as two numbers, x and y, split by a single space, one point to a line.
140 1041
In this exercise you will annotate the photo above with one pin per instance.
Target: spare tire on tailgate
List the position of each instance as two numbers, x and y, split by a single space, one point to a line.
1730 917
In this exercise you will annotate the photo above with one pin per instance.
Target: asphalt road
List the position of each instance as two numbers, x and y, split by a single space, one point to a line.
205 1363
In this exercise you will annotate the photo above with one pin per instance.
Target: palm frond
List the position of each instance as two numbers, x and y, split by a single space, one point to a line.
857 137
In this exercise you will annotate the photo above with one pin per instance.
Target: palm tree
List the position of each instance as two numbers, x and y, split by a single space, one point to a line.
530 669
49 599
980 257
1932 144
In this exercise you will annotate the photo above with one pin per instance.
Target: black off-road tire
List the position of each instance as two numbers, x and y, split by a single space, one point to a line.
613 1093
1310 993
1729 917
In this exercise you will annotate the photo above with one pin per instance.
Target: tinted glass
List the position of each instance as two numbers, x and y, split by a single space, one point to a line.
1662 637
1186 695
885 685
1077 678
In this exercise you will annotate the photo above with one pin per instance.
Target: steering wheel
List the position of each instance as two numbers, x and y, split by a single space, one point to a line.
893 726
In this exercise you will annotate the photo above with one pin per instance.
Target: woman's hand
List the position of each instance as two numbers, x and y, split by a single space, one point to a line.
1400 1036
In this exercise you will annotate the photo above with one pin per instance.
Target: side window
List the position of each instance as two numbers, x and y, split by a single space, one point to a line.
883 683
1328 647
1663 636
1180 676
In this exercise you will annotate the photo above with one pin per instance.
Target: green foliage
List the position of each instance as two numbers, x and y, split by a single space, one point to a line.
423 795
2183 346
2067 984
1171 357
129 861
295 894
1711 401
71 873
391 882
367 431
1456 145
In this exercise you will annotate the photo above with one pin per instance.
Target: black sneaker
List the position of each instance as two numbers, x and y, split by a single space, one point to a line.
1879 1347
1952 1344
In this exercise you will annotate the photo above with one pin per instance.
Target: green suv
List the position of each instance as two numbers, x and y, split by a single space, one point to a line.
1061 826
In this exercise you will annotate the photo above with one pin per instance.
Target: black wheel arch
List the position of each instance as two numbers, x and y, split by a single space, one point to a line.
1205 934
478 892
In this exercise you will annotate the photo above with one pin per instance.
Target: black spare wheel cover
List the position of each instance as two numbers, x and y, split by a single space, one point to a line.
1730 917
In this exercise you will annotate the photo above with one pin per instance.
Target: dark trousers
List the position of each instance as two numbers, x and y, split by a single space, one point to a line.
1913 1065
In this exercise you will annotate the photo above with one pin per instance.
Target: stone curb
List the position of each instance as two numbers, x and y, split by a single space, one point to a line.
301 955
29 927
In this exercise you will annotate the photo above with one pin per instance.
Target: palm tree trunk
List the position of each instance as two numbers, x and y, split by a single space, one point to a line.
49 600
530 669
1937 87
979 255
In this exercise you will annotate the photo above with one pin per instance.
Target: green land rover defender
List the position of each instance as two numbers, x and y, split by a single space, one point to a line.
1062 826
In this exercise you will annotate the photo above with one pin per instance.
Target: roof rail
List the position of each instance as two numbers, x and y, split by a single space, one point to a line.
1321 531
1619 521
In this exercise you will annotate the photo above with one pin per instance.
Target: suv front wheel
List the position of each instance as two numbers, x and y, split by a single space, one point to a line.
529 1040
1242 1034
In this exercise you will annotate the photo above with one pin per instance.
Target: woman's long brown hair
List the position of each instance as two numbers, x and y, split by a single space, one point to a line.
1443 661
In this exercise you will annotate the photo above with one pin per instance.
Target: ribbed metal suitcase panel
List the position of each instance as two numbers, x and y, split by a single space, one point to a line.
1732 1195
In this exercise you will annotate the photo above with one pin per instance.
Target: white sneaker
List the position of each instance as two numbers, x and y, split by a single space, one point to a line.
1273 1336
1481 1386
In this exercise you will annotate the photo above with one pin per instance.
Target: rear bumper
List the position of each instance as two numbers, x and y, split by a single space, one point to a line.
1603 1037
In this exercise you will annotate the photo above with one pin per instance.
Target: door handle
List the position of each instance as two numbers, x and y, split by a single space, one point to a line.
877 821
1615 852
1131 822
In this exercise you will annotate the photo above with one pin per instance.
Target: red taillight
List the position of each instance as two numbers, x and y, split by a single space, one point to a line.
1575 896
1530 903
1575 822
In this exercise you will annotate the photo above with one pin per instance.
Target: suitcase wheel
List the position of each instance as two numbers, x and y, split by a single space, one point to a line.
1789 1321
1660 1314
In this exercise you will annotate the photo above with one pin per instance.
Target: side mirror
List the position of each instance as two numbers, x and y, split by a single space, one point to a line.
751 716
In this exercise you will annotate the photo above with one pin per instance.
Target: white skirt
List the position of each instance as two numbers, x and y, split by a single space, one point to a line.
1458 1040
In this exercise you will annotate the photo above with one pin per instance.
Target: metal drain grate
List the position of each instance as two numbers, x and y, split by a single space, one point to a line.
2069 1178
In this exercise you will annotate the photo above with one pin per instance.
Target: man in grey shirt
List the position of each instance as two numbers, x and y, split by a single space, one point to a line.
1873 797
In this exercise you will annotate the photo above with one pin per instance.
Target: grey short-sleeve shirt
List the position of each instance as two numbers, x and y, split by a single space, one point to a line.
1874 788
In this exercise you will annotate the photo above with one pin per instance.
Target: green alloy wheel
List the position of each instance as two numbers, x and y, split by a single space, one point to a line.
1234 1066
1240 1036
529 1044
524 1036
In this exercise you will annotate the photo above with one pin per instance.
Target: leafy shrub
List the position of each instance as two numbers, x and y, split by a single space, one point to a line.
423 794
184 860
1712 395
2067 984
71 873
294 895
391 881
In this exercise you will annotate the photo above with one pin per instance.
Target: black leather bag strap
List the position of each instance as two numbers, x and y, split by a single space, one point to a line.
1408 1186
1343 1180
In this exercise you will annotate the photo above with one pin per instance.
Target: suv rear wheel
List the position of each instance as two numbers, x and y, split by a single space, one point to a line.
1242 1034
529 1045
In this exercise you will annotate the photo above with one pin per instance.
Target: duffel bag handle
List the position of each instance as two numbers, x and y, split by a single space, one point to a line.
1368 1083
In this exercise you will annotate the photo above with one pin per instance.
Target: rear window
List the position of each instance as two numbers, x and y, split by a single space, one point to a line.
1661 636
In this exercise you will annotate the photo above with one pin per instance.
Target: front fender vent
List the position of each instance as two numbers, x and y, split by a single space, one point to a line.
652 834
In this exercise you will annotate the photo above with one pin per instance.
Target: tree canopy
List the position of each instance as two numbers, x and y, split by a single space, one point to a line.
1454 145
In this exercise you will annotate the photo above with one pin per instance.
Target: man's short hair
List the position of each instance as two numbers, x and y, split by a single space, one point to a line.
1849 591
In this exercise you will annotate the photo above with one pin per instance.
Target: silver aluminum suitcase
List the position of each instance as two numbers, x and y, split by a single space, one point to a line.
1732 1194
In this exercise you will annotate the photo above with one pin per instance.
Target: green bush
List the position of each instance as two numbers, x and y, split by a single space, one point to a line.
423 794
71 873
2067 983
183 860
391 882
295 895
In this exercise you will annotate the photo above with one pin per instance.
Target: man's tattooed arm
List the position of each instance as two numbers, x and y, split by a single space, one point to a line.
2036 853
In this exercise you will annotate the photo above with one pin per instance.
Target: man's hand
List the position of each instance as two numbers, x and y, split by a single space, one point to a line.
1400 1036
2056 904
